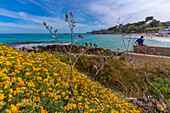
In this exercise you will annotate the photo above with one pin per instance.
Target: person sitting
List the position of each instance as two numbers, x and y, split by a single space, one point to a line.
139 41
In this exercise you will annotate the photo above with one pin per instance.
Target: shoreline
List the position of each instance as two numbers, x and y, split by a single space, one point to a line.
155 35
32 44
151 35
75 49
160 41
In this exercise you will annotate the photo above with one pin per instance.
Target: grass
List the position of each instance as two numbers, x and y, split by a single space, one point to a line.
118 75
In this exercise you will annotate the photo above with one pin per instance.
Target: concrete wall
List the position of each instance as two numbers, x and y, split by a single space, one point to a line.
145 58
163 51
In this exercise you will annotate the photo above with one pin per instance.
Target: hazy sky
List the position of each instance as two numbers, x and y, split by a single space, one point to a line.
26 16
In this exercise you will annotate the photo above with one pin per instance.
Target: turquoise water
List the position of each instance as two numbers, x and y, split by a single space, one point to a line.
108 41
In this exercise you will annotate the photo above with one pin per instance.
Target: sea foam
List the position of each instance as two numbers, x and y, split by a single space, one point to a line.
38 44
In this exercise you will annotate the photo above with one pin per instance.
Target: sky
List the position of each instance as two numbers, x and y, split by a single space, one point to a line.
26 16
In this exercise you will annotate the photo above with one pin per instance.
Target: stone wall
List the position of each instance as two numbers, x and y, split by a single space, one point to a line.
163 51
138 58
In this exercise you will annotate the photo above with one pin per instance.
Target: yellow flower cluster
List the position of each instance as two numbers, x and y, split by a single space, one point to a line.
29 85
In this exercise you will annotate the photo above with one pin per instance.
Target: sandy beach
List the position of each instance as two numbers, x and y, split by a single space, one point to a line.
152 35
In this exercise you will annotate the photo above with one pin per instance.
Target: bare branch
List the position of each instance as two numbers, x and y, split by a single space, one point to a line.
103 64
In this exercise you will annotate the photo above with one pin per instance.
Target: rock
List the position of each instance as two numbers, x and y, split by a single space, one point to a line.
16 49
148 104
122 55
132 100
75 49
26 48
117 57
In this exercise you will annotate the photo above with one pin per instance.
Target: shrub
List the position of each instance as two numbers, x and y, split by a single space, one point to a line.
163 86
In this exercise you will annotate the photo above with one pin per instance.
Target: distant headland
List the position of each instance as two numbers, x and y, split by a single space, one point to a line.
149 25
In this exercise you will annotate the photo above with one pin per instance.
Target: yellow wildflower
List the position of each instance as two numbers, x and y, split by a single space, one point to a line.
1 96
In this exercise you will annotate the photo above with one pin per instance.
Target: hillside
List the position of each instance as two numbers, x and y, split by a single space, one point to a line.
149 25
29 85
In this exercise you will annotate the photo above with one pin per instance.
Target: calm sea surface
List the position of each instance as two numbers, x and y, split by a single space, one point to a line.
112 42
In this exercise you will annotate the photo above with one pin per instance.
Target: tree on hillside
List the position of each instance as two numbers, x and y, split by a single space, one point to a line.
154 23
149 18
139 23
131 29
113 28
165 23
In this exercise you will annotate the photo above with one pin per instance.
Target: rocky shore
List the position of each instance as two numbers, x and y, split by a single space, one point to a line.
75 49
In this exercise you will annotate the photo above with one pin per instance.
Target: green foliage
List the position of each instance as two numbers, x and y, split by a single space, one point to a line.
116 74
141 26
149 18
113 28
163 86
166 23
154 23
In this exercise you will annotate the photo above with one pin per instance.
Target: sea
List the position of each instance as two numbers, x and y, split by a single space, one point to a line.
106 41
